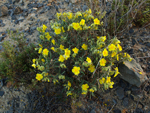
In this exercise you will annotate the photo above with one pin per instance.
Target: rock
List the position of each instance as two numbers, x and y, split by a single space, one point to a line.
130 51
1 93
3 10
17 10
116 111
133 41
125 102
1 47
131 31
85 7
120 93
93 111
148 44
74 1
130 73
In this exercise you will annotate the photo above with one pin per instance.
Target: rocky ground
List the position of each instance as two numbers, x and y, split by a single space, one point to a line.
26 16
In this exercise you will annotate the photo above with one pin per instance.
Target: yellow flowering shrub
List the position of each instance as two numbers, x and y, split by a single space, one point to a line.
75 54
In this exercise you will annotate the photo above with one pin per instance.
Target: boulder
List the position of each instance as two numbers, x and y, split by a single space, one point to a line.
3 10
132 73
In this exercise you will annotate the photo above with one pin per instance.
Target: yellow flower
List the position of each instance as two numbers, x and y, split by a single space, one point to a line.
69 93
105 52
111 47
45 52
96 21
102 81
91 68
102 62
40 50
84 92
103 38
85 87
75 50
47 36
84 46
39 77
140 73
82 22
118 57
58 15
69 85
42 60
63 29
61 47
88 60
91 90
57 31
89 11
53 41
52 48
117 72
44 27
69 15
61 58
34 65
76 26
34 60
76 70
67 53
108 80
78 14
113 54
111 84
119 47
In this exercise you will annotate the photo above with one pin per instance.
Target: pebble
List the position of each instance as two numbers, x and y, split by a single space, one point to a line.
3 10
148 44
120 93
93 111
125 102
131 31
117 111
1 93
1 47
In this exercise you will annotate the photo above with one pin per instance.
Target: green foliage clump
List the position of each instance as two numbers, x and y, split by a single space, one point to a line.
76 55
143 15
15 63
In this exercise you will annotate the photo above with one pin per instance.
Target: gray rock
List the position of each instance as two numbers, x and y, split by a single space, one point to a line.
130 73
17 10
120 93
3 10
1 47
125 102
93 111
74 1
1 93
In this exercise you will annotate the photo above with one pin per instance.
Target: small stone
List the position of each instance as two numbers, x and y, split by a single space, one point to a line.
85 7
93 111
1 47
1 93
120 93
130 73
133 41
3 10
148 44
17 10
74 1
117 111
125 102
130 51
139 110
131 31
